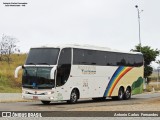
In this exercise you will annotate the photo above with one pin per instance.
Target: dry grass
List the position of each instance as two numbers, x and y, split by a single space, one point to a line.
7 81
152 88
154 76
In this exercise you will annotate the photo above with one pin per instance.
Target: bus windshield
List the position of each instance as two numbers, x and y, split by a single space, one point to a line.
42 56
37 78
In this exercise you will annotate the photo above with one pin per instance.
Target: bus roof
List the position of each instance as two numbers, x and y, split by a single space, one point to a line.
85 46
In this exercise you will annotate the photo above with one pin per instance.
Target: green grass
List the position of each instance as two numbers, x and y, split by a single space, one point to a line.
8 84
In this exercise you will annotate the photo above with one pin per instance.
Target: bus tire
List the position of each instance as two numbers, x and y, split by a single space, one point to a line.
73 97
46 102
127 94
121 93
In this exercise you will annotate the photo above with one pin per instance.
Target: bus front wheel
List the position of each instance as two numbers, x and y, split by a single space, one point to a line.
73 97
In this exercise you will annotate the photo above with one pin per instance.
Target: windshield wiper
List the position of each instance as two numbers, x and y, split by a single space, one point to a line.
45 85
25 85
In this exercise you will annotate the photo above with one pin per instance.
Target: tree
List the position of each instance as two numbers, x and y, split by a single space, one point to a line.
149 55
7 47
158 68
158 62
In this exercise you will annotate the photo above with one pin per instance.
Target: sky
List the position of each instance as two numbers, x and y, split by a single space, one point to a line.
106 23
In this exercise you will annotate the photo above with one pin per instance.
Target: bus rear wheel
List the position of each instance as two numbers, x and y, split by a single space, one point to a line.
73 97
127 94
46 102
121 93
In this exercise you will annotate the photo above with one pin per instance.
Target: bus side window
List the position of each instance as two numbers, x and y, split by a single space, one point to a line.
121 59
79 57
138 60
111 59
130 60
64 67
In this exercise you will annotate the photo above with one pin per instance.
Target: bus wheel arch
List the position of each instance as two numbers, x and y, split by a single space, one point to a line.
127 94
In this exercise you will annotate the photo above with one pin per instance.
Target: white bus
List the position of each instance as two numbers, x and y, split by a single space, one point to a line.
71 72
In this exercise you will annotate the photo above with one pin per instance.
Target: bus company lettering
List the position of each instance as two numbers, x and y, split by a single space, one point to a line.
87 69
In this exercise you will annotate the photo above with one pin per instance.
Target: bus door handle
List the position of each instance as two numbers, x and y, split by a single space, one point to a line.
71 76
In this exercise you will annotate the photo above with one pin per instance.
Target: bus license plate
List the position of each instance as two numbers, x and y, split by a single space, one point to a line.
35 97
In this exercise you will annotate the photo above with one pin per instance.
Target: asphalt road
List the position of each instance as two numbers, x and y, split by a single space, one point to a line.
63 106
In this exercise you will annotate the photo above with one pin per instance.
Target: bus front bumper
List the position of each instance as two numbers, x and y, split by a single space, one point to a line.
38 97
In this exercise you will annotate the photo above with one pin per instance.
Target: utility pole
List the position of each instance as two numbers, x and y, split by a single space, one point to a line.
139 24
158 68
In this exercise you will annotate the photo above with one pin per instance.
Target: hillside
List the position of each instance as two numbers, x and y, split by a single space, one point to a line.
8 83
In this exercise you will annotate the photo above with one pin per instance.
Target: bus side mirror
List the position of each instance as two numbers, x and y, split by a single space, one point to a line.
17 70
52 73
